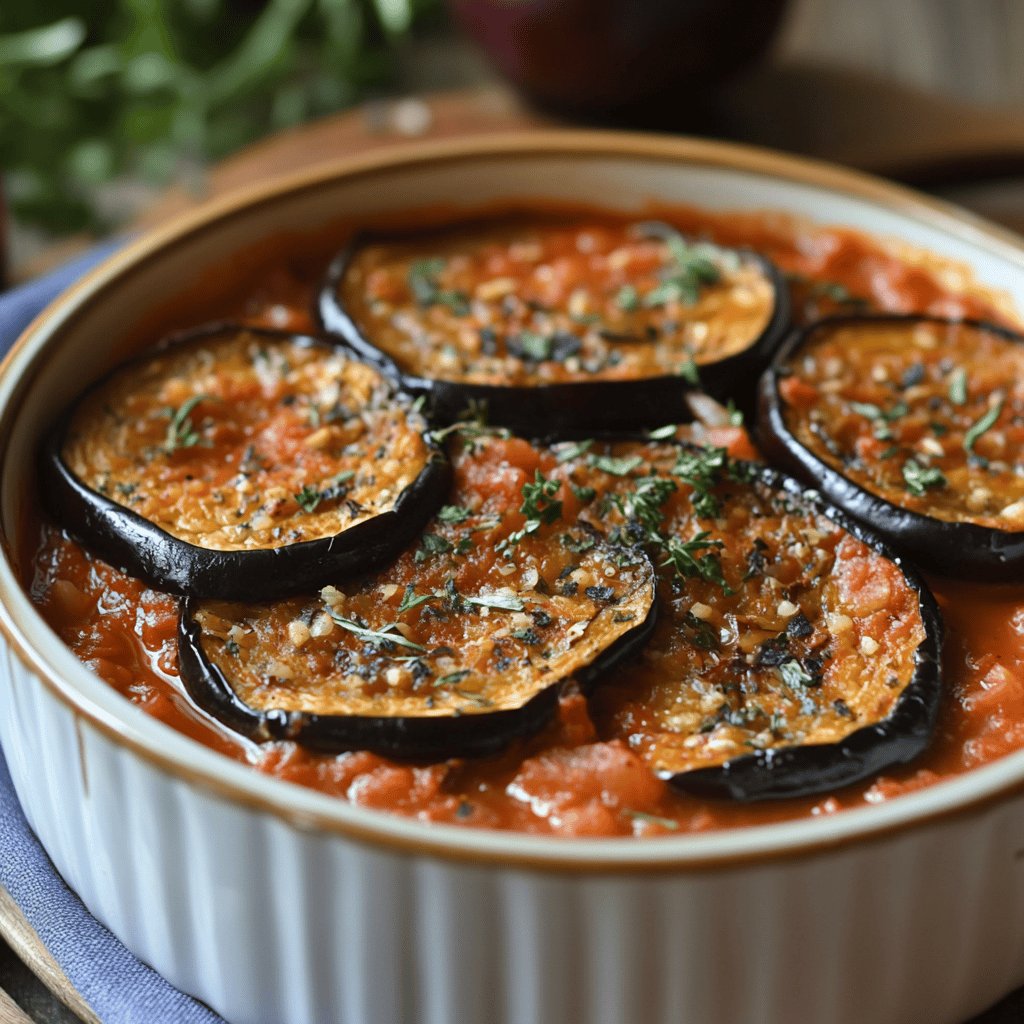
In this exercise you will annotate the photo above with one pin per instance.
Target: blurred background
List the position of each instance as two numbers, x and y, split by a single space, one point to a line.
107 104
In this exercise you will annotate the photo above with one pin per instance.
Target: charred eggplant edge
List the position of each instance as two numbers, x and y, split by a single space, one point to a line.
572 406
139 547
405 737
955 549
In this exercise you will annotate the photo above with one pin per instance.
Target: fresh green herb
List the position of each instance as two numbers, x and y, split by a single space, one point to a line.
540 507
615 466
663 433
701 468
881 418
687 559
921 478
452 677
584 495
689 372
985 423
692 267
426 290
181 431
410 599
645 502
566 453
308 498
628 299
382 637
794 675
958 386
453 514
431 544
702 635
651 819
539 499
735 415
531 346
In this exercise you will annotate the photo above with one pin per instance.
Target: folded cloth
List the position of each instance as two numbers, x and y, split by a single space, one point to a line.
118 986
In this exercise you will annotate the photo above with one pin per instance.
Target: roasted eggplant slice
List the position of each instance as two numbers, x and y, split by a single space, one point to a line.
915 425
457 648
793 653
559 327
235 462
421 662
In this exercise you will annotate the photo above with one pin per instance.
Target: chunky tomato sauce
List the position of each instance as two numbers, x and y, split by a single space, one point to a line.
567 780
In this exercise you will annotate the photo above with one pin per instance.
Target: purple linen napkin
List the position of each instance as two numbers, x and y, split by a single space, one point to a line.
119 987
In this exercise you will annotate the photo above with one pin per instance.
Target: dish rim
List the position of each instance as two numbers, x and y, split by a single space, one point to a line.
185 760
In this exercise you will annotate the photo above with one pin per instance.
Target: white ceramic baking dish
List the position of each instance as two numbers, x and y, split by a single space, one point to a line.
276 904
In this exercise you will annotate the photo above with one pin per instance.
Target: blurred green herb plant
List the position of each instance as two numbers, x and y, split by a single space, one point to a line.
93 91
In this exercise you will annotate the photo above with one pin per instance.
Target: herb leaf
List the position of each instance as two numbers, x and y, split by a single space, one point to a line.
985 423
921 478
181 431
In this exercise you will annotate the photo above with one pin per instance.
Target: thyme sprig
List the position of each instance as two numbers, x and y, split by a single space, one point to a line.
181 431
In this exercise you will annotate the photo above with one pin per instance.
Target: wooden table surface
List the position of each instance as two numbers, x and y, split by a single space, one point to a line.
883 121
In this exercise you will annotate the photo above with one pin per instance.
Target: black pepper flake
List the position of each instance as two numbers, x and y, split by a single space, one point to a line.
772 653
569 588
599 593
912 375
842 708
799 626
528 636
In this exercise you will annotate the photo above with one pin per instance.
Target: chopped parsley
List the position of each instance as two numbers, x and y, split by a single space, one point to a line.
795 676
181 431
410 599
958 386
628 299
701 469
616 466
452 677
663 433
693 559
381 638
922 478
308 498
431 544
540 507
985 423
427 291
566 453
453 514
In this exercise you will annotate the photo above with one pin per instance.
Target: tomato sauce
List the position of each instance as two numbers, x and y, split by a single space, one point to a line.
565 780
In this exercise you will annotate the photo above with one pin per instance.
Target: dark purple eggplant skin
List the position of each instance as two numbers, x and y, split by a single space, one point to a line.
140 548
957 550
580 406
401 737
894 740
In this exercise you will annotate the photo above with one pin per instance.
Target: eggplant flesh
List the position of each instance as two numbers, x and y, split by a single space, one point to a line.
794 652
434 657
626 361
237 462
910 424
